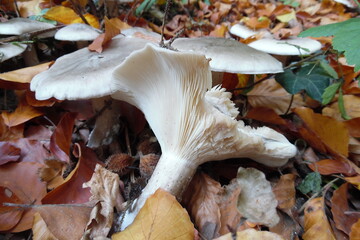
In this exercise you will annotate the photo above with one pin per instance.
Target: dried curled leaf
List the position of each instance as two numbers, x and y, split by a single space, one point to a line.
256 201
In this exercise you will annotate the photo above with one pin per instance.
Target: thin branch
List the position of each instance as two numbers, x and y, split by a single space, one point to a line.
44 205
291 102
167 8
28 36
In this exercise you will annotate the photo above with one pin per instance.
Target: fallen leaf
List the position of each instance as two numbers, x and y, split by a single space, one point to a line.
40 229
32 150
256 201
71 191
10 133
284 191
201 200
351 104
332 166
339 207
28 188
20 79
31 100
266 115
316 224
355 231
8 153
23 113
67 16
250 234
112 28
323 133
353 126
287 226
9 216
61 138
354 180
162 217
105 189
230 217
52 173
270 94
65 221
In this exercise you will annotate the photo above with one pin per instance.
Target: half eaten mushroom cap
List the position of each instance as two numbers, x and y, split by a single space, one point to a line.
18 26
192 126
229 55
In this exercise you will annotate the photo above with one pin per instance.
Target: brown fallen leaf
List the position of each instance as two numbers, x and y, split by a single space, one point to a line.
332 166
339 205
9 216
71 191
355 231
354 180
251 234
201 200
52 173
287 226
351 104
28 189
8 153
266 115
323 133
162 217
284 191
112 28
65 221
354 126
316 224
40 229
105 189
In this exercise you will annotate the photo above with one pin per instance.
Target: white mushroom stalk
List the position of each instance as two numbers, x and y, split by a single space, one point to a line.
192 126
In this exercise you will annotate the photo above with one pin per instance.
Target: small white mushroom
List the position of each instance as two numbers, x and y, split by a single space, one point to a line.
78 32
8 50
192 126
19 26
293 46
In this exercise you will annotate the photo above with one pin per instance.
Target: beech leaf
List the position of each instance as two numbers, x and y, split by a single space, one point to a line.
162 217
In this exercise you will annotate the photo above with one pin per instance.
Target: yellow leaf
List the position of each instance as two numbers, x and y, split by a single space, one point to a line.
250 234
162 217
355 231
287 17
315 221
67 16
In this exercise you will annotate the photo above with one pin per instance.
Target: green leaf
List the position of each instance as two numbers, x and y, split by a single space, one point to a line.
341 106
330 92
311 183
312 79
328 69
292 3
346 38
144 6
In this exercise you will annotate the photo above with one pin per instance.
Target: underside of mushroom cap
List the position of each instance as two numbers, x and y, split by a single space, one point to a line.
169 87
17 26
84 74
229 55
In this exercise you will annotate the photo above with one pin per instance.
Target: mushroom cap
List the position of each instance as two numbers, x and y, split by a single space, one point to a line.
84 74
9 50
229 55
245 32
77 32
292 46
18 26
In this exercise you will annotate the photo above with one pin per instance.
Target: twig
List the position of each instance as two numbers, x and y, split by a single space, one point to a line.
28 36
167 8
291 102
44 205
79 12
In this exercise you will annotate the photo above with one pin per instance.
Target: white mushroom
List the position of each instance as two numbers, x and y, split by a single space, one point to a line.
295 46
78 32
192 126
8 50
19 26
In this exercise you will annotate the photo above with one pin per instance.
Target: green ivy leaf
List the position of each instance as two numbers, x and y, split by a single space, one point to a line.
330 92
311 183
346 38
312 79
292 3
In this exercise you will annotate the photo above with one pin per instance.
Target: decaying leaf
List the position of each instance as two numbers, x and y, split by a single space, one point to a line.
316 223
256 201
284 191
40 229
351 104
9 216
105 189
201 199
8 152
52 173
355 231
162 217
251 234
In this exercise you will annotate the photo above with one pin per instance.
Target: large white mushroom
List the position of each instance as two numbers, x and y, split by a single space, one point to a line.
192 125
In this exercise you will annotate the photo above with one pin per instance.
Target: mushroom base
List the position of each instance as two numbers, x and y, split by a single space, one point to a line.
172 174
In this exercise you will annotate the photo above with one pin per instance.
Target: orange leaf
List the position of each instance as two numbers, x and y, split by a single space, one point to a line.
71 191
256 23
162 217
354 180
30 98
284 191
355 231
219 31
266 115
10 133
315 221
339 205
28 188
354 126
20 79
112 28
323 133
8 153
61 138
22 114
331 166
